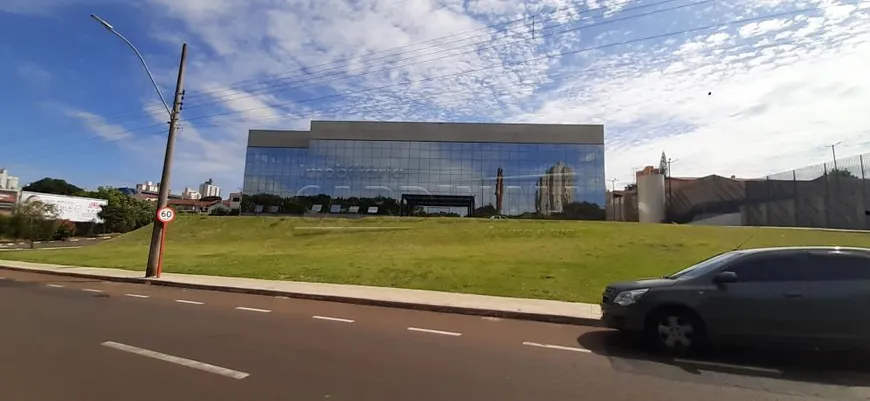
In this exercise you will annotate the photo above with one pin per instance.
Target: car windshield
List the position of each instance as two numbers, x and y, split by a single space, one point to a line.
702 267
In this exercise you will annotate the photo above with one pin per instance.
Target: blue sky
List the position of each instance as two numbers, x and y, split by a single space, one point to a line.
785 83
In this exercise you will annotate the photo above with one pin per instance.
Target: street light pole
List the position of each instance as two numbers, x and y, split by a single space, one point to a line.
834 153
163 197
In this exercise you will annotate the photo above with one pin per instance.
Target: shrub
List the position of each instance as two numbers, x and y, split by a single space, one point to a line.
6 230
65 230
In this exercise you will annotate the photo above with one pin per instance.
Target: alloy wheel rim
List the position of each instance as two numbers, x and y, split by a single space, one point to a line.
675 332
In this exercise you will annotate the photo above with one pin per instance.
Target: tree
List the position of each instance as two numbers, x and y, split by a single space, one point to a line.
53 186
35 221
663 165
841 173
123 213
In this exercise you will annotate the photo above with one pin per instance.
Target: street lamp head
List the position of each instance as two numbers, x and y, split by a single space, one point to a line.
103 22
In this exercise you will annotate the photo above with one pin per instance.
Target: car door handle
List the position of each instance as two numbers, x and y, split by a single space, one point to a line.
793 294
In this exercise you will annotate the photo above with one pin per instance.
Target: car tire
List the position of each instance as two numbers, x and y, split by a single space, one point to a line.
675 331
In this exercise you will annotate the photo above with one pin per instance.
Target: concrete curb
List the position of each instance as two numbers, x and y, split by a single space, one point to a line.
517 315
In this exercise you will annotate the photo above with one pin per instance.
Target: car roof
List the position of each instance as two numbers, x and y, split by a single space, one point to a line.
804 248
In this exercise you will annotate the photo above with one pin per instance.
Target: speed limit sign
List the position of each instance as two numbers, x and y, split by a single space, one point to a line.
166 215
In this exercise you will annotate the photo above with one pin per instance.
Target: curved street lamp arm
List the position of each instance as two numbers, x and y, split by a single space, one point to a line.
147 70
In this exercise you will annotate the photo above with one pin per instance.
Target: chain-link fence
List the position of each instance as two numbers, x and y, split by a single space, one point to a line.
828 195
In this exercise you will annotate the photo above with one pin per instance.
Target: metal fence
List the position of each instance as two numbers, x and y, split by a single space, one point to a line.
828 195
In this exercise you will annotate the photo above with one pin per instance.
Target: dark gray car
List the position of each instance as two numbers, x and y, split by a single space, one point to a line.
778 295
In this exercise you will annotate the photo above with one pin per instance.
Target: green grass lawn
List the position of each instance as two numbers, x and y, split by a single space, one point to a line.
562 260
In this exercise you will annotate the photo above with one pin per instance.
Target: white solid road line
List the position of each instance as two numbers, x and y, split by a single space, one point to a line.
559 347
333 319
55 286
727 365
446 333
91 290
253 309
136 296
190 363
184 301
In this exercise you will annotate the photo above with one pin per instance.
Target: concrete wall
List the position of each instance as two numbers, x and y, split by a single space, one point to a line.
730 219
651 198
430 132
836 203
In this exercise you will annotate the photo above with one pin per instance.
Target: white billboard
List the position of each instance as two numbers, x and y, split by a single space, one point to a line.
72 208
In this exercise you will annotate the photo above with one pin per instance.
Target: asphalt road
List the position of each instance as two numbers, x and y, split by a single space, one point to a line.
70 339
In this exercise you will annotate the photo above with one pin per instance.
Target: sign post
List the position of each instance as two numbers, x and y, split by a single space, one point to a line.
165 215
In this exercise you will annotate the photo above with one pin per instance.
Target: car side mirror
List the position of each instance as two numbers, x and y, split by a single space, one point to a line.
725 277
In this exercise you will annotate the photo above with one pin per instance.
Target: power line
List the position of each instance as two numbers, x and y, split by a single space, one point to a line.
554 14
430 96
303 83
564 53
661 36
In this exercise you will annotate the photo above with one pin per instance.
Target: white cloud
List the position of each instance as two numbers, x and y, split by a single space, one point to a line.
44 7
95 123
34 73
782 87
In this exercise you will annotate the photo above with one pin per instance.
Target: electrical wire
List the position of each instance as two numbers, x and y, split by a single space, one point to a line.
308 82
554 14
430 95
570 52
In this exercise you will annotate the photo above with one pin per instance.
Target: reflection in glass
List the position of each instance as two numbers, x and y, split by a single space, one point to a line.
513 179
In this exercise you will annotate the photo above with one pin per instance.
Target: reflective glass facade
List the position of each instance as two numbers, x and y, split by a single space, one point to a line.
535 178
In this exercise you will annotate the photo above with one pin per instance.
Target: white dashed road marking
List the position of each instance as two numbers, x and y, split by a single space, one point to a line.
136 296
446 333
253 309
333 319
91 290
727 365
55 286
190 363
184 301
559 347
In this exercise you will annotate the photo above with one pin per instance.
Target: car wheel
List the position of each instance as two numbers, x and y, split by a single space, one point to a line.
675 331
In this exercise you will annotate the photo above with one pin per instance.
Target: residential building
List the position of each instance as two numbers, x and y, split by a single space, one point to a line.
208 188
190 194
148 186
196 206
8 201
235 201
8 182
512 169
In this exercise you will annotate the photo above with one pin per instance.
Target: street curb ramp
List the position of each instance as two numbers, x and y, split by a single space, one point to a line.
505 314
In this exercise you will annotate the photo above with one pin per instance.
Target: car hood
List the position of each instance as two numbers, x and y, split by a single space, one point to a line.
634 285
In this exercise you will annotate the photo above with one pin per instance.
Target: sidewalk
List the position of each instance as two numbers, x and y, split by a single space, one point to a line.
482 305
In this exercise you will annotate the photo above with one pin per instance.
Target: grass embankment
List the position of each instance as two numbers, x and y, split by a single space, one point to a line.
563 260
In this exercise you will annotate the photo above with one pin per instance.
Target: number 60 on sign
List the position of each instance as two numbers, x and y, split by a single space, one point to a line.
166 215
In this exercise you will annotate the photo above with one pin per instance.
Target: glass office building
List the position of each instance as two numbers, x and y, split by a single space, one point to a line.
516 169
